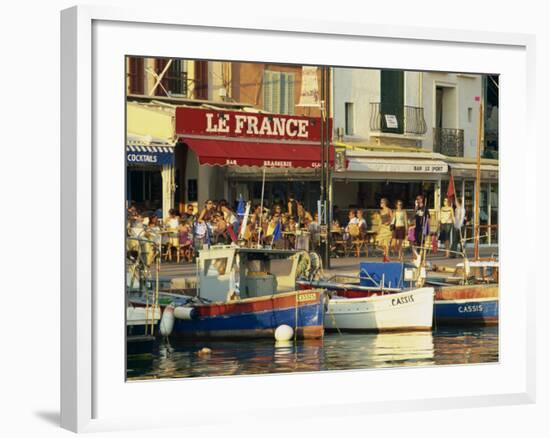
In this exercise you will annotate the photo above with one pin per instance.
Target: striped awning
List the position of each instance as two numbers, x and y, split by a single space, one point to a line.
149 154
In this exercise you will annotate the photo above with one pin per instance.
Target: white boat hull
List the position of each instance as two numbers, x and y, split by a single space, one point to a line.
410 310
142 316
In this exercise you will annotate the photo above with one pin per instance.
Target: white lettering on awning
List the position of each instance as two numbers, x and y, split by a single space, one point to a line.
141 158
388 166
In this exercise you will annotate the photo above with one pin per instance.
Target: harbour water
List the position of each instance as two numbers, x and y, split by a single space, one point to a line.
346 351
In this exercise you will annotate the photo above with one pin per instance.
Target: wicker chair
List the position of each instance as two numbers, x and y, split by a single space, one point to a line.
356 240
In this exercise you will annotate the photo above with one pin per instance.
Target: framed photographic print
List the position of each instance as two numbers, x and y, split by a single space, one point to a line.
318 217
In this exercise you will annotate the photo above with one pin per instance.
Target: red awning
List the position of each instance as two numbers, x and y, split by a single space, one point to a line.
249 153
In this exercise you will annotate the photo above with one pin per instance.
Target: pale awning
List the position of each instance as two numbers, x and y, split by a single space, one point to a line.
405 165
468 170
384 165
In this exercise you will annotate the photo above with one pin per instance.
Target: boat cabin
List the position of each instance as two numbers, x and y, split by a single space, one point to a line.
226 271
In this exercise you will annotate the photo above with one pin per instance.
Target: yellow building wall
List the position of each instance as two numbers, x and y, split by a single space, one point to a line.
150 121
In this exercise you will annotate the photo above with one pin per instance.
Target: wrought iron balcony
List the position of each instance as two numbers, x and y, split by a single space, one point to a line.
410 122
449 141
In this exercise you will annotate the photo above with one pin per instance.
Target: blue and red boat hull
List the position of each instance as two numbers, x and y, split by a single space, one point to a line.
256 317
462 312
468 304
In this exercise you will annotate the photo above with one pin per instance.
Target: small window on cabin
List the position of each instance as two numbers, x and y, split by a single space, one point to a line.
215 267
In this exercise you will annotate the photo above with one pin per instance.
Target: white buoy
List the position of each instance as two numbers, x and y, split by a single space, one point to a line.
284 333
284 346
184 312
167 321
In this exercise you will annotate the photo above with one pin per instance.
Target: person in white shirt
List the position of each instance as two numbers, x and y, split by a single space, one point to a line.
352 216
361 220
456 236
446 224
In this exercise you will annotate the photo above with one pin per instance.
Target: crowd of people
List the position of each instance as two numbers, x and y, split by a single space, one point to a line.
183 234
286 225
395 227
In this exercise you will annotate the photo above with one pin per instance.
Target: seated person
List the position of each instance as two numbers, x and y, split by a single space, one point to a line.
353 220
186 241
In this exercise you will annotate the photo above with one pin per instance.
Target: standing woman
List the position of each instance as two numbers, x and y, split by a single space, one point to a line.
231 221
292 206
400 225
153 234
172 227
446 221
384 235
421 219
207 213
459 217
203 229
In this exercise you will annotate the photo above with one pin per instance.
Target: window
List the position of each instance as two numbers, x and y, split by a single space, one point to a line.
278 92
469 115
215 267
136 75
201 80
350 121
192 192
174 81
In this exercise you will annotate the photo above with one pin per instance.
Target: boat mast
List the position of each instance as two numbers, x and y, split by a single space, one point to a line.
261 210
478 182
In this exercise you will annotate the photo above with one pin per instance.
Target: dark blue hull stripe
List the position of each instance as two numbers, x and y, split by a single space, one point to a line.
308 315
467 310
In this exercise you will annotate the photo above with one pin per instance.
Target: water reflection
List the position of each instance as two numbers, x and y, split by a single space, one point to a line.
335 352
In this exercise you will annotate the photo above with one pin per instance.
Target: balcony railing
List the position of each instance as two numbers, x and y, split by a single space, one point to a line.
448 141
413 123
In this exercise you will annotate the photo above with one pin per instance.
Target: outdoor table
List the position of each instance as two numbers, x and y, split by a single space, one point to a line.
287 237
303 240
337 239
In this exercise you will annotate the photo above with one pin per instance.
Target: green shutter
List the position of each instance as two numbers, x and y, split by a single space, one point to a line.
282 94
290 93
276 91
392 98
268 90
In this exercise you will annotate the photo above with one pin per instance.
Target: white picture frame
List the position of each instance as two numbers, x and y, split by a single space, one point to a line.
90 388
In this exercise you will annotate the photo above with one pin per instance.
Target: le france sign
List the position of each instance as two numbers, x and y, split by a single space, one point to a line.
193 122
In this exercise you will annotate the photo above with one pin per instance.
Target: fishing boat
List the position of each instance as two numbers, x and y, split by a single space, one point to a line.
378 300
470 296
141 319
243 293
140 324
401 311
467 297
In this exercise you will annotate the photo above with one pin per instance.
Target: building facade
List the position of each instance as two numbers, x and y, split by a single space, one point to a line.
403 133
396 134
164 85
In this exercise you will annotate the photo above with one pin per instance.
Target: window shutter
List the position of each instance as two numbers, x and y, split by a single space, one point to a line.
268 91
276 92
392 98
290 93
283 107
